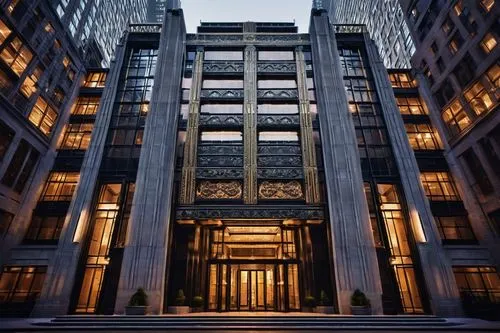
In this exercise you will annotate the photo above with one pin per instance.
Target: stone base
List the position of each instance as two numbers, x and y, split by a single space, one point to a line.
178 309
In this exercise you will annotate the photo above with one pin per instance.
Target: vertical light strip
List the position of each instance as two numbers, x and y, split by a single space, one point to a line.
188 182
250 126
306 133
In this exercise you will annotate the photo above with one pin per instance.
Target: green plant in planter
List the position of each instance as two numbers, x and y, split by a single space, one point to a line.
180 299
198 302
139 298
323 299
310 301
359 298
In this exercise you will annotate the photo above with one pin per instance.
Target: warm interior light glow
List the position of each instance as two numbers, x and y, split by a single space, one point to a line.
418 230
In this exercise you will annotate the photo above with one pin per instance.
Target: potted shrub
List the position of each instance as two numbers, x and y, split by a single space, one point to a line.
179 307
309 304
360 304
138 303
324 304
197 304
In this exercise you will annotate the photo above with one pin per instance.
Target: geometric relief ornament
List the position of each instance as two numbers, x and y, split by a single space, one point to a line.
281 190
219 190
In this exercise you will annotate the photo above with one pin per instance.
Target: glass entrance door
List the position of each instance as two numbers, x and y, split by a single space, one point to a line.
252 290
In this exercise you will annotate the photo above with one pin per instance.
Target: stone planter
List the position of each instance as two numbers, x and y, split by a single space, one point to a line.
324 309
196 309
136 310
361 310
178 309
307 309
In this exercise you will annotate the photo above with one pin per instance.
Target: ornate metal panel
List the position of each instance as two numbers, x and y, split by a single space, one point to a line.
277 67
219 173
281 173
246 212
222 93
276 190
223 67
220 150
279 161
279 150
220 161
248 39
277 93
278 120
208 189
220 119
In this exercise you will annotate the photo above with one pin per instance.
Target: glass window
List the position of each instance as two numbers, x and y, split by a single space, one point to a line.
222 108
5 221
222 84
410 105
487 4
95 80
226 136
455 118
455 43
20 284
481 283
6 136
43 116
488 43
453 228
60 186
493 75
16 56
277 84
28 87
439 186
478 98
223 55
4 32
278 109
86 106
279 136
45 228
76 136
402 80
276 55
422 137
24 160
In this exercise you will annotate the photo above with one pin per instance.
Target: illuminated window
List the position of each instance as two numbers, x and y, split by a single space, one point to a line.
276 55
222 84
86 106
43 116
455 118
223 136
278 109
488 43
20 167
45 228
277 84
493 75
21 284
4 32
77 136
478 283
447 26
28 87
49 28
222 108
487 4
16 56
458 8
402 80
279 136
12 5
478 98
60 186
439 186
6 136
455 43
95 80
410 105
224 55
454 228
422 137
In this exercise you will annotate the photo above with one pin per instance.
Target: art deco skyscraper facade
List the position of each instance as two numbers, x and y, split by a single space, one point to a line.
156 10
385 22
96 25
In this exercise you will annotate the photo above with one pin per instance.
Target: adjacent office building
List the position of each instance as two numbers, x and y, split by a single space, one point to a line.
457 63
96 25
253 166
385 22
156 10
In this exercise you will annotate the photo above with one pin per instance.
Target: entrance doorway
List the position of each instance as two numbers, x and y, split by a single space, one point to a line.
255 290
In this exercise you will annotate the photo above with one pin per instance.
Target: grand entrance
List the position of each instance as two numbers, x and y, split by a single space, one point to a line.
253 269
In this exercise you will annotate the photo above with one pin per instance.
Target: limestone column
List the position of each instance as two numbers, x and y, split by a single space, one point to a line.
60 279
250 126
354 256
442 292
146 248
